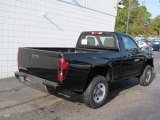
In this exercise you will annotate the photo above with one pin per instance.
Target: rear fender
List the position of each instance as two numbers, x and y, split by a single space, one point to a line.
98 70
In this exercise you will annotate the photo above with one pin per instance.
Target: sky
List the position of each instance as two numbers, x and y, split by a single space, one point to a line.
153 6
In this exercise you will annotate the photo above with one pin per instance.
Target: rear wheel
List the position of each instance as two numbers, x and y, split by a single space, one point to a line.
146 77
96 93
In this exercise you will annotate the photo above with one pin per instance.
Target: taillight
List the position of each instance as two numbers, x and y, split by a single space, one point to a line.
62 68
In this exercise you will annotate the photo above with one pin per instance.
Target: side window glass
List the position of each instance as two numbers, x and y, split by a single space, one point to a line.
129 44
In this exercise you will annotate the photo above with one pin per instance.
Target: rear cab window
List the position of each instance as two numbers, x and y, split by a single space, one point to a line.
97 40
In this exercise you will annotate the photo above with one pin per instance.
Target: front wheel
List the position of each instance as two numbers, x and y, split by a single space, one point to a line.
146 77
96 93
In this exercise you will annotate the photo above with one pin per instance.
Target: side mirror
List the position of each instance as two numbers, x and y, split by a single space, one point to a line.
140 50
135 51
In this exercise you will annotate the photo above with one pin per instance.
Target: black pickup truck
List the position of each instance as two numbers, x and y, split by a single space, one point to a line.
98 59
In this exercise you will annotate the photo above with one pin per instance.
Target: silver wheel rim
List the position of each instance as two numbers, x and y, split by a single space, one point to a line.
99 92
148 76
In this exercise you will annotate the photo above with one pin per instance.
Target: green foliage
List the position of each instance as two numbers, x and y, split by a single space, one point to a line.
138 17
120 21
155 25
139 20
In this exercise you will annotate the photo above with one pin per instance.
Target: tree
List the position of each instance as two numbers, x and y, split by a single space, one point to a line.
155 25
120 20
122 15
139 20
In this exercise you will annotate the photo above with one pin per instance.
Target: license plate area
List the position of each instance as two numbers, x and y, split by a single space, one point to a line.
35 82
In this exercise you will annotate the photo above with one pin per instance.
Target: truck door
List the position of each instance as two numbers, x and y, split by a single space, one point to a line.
132 60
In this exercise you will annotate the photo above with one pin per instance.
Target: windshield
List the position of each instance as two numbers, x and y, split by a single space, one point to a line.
101 41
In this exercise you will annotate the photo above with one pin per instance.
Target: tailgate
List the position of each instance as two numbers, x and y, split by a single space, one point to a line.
40 63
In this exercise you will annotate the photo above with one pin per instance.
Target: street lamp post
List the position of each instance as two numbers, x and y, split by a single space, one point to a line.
128 17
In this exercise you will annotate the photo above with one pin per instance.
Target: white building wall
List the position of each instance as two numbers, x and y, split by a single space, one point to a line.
47 23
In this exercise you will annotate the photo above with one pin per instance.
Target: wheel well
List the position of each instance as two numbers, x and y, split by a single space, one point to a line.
149 62
103 71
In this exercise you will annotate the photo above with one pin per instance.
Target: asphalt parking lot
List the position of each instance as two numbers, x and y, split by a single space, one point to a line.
127 101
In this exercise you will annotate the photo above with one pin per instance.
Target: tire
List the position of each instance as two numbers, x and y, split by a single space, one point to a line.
146 77
96 93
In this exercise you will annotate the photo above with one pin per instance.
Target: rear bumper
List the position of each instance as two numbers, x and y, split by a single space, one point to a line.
36 82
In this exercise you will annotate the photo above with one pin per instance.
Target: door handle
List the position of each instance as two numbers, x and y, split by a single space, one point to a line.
126 57
136 60
129 56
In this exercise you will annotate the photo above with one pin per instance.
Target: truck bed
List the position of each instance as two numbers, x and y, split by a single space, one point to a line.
54 49
41 62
